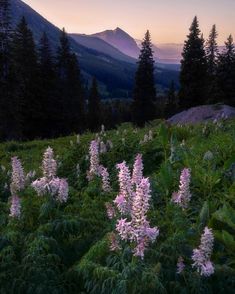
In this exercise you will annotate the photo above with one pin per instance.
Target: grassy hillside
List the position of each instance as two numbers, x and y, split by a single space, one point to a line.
64 248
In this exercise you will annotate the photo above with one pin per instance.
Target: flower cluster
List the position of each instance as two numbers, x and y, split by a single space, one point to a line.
15 209
49 183
17 184
94 160
180 265
17 176
183 196
105 179
132 203
124 198
201 256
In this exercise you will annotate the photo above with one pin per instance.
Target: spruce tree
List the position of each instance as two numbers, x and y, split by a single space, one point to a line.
144 94
26 91
94 107
5 85
48 89
172 103
226 73
193 75
5 38
212 53
72 103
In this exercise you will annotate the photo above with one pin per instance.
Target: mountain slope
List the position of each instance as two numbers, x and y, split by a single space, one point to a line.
114 74
101 46
121 40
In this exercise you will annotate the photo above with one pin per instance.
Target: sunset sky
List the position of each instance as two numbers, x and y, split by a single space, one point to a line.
167 20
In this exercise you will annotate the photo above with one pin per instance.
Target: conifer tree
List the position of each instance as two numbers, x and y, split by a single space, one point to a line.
26 92
5 85
193 75
94 107
212 53
226 73
48 89
171 104
5 38
71 100
144 95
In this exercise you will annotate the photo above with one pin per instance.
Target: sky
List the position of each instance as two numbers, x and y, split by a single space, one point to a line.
167 20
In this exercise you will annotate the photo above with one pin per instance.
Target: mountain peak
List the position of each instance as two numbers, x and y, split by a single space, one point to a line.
121 40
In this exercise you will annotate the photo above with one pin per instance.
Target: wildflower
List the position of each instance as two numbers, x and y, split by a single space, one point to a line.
201 256
110 210
94 159
183 196
124 228
105 179
142 232
114 245
109 144
103 148
180 265
102 129
17 176
49 165
150 135
63 190
124 199
49 183
15 209
137 173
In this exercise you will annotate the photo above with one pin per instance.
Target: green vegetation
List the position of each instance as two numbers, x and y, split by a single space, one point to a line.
64 248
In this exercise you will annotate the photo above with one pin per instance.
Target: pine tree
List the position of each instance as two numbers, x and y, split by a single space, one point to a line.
48 89
94 108
193 75
212 53
26 91
5 38
72 97
226 73
172 103
144 95
5 57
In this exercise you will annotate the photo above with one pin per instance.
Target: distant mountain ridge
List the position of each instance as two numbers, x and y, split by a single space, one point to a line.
113 69
120 40
100 45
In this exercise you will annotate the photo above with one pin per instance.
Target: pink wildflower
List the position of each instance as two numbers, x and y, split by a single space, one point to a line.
180 265
183 196
201 256
17 176
15 209
110 210
137 173
114 244
125 188
49 165
105 179
94 159
124 228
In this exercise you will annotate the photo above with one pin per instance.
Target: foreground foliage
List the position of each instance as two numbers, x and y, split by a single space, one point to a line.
64 247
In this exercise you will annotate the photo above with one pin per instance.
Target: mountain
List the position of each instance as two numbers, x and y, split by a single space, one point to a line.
101 46
120 40
114 71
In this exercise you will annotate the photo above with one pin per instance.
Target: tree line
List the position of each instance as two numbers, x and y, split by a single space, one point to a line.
42 92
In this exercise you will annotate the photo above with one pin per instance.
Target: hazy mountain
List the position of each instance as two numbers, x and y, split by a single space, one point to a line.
120 40
115 76
101 46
